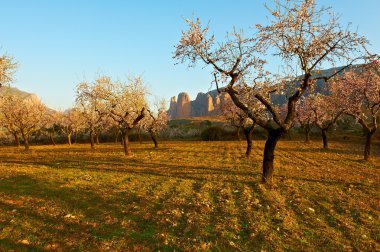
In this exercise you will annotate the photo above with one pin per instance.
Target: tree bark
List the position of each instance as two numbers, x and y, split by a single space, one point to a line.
17 139
154 140
92 138
307 133
248 132
69 139
324 139
25 137
368 144
127 149
273 136
97 138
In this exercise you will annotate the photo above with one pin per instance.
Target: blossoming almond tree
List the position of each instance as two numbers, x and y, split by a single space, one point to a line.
70 121
51 124
305 117
11 128
303 37
7 68
125 103
327 110
90 104
239 119
156 121
25 114
360 89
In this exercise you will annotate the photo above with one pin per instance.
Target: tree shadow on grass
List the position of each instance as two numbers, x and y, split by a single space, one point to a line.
138 167
101 149
118 218
320 150
336 182
69 217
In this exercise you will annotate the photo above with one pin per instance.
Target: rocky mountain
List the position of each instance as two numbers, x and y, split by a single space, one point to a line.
208 104
205 104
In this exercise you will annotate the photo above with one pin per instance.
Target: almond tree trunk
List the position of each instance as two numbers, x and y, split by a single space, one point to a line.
248 132
25 137
51 138
368 144
324 139
127 149
69 138
17 139
273 136
97 138
92 138
154 139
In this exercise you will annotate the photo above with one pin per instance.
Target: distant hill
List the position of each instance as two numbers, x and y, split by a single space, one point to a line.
208 104
5 90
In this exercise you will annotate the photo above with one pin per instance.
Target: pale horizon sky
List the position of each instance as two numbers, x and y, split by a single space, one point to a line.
60 43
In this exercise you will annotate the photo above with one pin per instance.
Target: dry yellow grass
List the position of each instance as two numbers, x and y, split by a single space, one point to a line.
188 196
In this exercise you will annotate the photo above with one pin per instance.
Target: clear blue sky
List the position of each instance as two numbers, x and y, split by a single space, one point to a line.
59 43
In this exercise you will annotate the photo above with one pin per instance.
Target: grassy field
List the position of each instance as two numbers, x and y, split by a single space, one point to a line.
188 196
